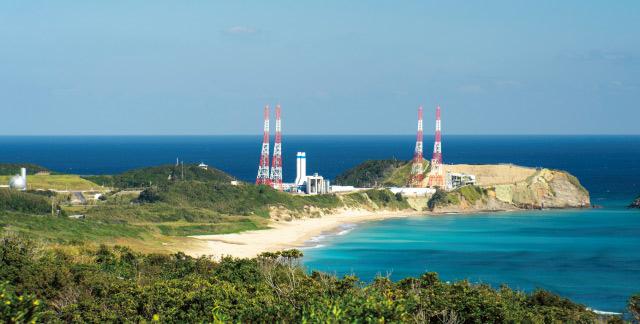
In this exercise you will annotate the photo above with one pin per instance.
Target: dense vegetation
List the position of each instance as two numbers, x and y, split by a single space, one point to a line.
12 200
468 193
374 173
9 169
119 285
160 175
224 198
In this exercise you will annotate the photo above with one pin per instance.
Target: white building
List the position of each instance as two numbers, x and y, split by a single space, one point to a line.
301 168
316 184
457 180
310 184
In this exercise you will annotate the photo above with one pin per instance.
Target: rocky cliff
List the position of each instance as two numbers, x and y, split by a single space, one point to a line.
529 189
498 187
635 203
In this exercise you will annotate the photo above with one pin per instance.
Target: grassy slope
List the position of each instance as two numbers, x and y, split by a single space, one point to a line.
57 182
206 203
160 175
376 173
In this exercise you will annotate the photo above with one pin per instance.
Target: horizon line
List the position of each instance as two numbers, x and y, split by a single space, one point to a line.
312 134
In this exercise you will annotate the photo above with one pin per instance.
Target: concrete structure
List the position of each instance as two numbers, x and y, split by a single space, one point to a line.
19 181
413 192
301 168
338 189
316 184
457 180
203 166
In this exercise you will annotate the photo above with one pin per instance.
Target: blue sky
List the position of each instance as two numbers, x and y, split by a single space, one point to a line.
337 67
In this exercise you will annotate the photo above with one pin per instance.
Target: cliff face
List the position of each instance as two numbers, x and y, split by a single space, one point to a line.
542 188
498 186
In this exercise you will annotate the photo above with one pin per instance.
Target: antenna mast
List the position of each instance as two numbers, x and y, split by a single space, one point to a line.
436 176
417 169
263 167
276 167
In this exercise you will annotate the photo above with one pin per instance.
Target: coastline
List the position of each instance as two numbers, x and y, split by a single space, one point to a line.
298 233
286 234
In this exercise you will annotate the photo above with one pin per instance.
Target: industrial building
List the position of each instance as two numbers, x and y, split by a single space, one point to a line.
310 184
457 180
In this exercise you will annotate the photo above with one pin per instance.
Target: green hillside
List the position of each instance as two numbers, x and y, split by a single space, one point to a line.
160 175
12 200
163 209
377 173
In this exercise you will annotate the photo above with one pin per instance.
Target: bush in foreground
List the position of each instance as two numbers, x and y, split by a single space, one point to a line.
116 284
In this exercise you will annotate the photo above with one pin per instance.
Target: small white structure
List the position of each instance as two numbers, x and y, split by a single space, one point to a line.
203 166
343 188
301 168
316 184
413 192
19 181
457 180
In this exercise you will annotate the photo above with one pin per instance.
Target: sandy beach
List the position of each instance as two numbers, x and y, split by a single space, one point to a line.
285 234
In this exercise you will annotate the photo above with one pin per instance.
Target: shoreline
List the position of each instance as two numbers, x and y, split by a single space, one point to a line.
297 233
287 234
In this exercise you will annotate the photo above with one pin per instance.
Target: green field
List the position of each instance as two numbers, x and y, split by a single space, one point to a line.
57 182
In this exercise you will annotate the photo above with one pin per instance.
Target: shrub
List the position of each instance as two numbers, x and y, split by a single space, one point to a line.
23 202
118 285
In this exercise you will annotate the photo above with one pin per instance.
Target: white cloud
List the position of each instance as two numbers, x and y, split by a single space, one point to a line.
240 30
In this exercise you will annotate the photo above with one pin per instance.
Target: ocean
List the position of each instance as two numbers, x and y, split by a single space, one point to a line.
591 256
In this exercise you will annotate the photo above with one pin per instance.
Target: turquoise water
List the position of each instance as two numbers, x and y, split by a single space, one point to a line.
590 256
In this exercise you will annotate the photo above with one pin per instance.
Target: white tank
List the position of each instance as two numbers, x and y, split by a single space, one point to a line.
19 181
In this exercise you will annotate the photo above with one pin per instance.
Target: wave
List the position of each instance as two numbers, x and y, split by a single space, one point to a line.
599 312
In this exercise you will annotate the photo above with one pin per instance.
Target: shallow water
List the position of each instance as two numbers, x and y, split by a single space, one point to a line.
591 256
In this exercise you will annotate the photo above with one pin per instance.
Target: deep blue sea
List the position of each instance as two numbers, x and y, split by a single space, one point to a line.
591 256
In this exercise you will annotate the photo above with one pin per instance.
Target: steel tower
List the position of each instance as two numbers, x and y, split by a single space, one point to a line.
276 167
436 176
263 168
417 169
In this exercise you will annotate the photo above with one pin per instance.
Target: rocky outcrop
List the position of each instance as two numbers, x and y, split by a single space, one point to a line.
543 188
635 203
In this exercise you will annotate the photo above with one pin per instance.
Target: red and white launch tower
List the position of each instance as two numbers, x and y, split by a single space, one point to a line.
263 168
417 169
276 167
436 175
